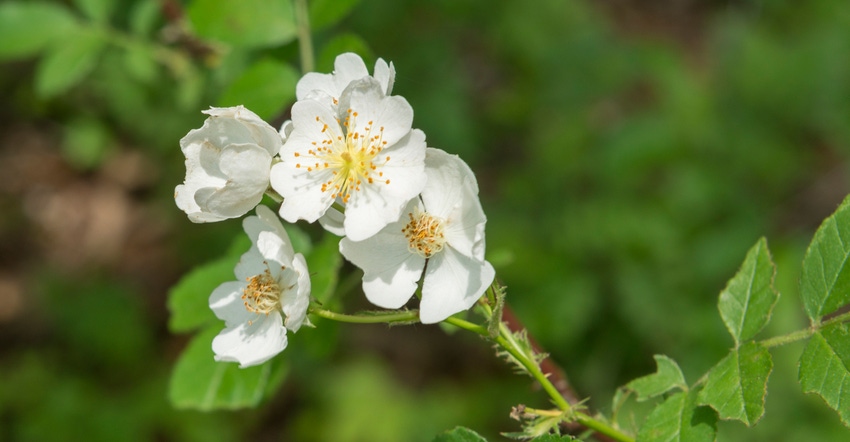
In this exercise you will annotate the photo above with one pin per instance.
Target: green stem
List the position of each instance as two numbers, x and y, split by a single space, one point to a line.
375 318
806 333
507 341
305 41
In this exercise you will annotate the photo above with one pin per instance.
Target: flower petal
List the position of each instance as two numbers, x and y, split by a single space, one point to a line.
347 68
453 283
226 302
251 344
381 202
451 193
385 74
367 99
245 166
296 300
390 270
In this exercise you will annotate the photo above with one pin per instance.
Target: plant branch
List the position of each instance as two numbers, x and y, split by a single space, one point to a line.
806 333
371 318
305 41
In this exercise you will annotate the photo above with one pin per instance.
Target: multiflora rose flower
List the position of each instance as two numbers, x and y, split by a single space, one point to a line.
270 296
440 232
364 155
227 164
348 67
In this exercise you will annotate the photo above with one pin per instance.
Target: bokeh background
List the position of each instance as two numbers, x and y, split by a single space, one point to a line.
628 153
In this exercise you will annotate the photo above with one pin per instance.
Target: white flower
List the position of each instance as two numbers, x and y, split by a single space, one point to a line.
227 164
364 156
445 228
348 67
272 283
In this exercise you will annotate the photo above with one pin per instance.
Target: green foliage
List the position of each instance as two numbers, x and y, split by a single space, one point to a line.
324 261
324 13
459 434
737 385
201 383
188 300
27 28
825 282
338 45
679 419
249 24
825 368
667 377
266 87
97 11
747 302
66 64
86 142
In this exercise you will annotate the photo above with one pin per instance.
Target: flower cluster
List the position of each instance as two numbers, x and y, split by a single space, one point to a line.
350 159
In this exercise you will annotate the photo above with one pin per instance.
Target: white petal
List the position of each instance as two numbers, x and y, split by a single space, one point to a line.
226 302
275 250
379 203
390 270
184 196
347 68
251 344
451 193
385 74
453 283
296 300
304 198
333 221
365 97
246 167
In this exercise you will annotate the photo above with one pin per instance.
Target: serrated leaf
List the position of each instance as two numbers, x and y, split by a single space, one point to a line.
679 419
246 23
324 262
324 13
188 300
825 368
748 299
96 10
825 282
199 382
667 377
459 434
67 63
737 385
28 28
266 87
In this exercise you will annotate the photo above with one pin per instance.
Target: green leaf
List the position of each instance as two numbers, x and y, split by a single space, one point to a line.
199 382
667 377
97 10
748 299
266 88
67 63
144 16
825 282
324 13
459 434
28 28
679 419
324 262
246 23
825 368
188 300
737 385
340 44
140 61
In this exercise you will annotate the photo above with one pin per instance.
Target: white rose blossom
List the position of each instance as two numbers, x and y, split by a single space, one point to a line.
227 164
348 67
444 228
364 155
270 296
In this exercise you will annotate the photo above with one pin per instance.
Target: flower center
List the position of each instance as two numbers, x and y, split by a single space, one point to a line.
351 156
424 234
262 294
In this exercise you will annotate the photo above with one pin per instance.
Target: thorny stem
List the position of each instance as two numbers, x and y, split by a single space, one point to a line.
506 341
374 318
305 42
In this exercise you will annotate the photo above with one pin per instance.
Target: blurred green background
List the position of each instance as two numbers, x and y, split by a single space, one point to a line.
628 153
